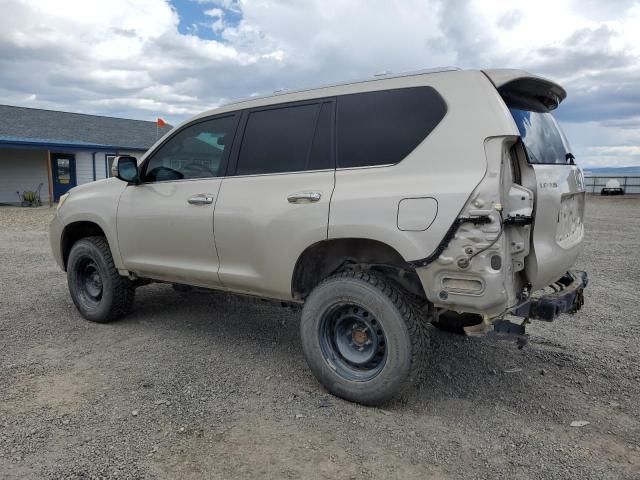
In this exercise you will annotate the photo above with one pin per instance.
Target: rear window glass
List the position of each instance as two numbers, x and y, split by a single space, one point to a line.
381 128
542 137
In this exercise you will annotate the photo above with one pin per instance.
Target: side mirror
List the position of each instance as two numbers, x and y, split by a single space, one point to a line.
125 167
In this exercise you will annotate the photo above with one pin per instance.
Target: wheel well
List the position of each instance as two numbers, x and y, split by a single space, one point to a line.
74 232
325 258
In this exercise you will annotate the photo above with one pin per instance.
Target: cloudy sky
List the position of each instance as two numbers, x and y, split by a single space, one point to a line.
174 58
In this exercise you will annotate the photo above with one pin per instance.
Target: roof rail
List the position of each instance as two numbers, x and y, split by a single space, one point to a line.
383 75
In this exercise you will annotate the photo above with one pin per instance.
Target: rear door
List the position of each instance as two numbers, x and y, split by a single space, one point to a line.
275 201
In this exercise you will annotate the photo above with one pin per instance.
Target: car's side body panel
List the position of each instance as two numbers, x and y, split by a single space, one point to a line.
446 166
260 234
97 203
162 236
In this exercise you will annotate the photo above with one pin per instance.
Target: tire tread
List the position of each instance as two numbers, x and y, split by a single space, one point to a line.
418 330
123 288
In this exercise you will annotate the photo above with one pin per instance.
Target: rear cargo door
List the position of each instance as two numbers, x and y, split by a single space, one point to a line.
558 224
547 167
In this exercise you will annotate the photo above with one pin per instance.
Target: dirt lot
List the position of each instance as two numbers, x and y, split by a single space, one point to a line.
209 385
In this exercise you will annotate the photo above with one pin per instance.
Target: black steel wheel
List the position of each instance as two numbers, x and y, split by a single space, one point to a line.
362 338
353 342
98 291
89 282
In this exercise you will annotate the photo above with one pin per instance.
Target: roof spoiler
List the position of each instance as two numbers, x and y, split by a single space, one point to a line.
520 89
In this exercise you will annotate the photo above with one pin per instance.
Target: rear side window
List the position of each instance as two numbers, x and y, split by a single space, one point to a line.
286 139
381 128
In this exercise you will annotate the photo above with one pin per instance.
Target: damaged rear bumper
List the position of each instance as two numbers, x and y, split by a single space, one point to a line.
564 296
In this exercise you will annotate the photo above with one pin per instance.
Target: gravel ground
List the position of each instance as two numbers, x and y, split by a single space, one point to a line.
200 384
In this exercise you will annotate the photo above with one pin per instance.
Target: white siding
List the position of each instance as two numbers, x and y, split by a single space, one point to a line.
22 170
101 166
84 167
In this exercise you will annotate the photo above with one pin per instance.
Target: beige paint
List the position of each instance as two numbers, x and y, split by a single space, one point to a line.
95 202
260 234
555 187
162 236
250 238
416 214
446 166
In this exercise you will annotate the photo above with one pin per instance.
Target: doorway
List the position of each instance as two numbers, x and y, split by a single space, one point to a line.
63 173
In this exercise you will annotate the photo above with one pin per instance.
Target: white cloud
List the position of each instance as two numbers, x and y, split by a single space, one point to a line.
127 57
218 14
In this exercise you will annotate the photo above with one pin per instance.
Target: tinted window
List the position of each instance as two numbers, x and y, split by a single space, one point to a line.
278 140
542 137
320 157
379 128
194 152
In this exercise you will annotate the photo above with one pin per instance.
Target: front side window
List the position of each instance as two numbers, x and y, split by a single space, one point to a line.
196 151
542 138
286 139
383 127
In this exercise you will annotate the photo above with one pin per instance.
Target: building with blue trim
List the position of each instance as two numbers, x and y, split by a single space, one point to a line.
60 150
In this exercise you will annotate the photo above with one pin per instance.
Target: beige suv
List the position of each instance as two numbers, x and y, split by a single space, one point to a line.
448 197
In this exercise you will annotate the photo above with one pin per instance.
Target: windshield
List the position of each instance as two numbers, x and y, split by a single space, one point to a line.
542 137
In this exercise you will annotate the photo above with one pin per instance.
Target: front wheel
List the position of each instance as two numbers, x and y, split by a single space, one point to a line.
362 338
98 291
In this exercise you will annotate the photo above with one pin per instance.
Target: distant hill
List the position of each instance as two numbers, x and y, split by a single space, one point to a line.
612 171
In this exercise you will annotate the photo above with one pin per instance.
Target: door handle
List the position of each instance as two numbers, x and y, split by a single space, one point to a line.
304 197
201 199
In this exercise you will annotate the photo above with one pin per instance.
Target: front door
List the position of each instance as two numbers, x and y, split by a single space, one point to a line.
165 224
63 173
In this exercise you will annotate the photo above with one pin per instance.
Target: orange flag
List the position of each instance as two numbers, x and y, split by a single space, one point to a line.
161 123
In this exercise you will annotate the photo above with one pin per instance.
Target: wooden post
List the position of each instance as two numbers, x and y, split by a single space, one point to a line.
50 178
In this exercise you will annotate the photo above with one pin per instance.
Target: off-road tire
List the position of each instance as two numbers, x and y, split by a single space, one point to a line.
405 334
117 292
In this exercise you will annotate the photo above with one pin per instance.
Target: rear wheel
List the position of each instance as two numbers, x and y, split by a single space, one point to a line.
99 293
362 338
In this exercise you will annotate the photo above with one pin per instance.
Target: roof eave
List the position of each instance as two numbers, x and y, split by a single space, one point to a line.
68 146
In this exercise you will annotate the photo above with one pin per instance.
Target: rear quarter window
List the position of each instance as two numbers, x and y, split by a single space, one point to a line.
381 128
